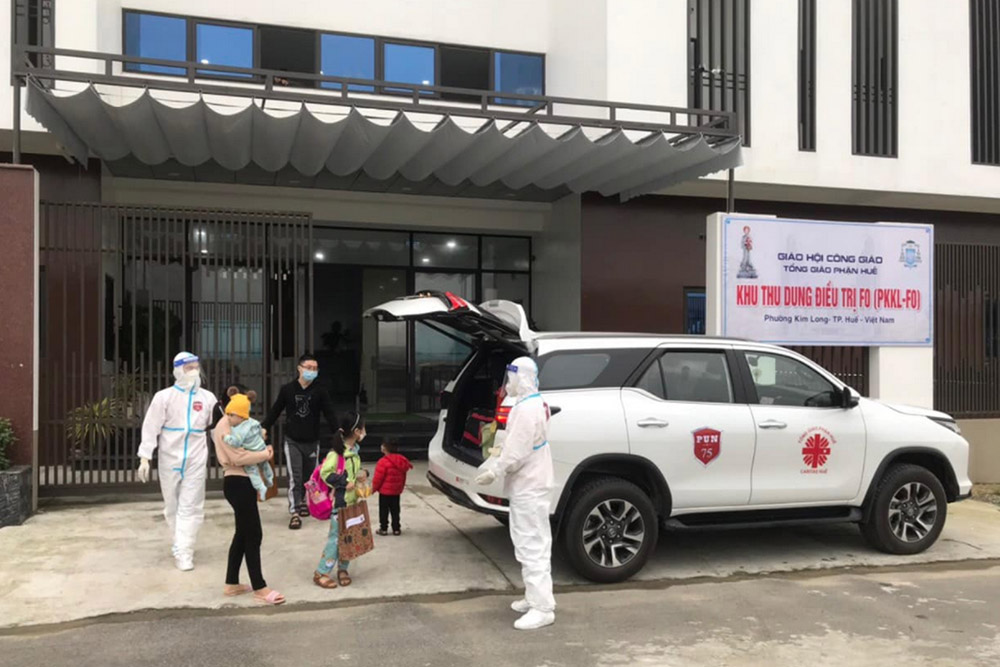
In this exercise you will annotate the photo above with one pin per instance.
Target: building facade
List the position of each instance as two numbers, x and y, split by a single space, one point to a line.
187 203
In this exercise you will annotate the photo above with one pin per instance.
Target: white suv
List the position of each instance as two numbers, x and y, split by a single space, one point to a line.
688 432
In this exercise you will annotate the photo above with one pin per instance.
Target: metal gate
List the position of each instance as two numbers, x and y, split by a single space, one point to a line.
123 289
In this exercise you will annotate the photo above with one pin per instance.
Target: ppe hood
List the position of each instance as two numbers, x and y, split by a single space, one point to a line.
499 321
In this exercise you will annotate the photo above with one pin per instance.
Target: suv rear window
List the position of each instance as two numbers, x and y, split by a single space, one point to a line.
588 369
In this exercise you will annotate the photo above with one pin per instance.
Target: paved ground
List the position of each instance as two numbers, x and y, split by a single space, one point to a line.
83 562
945 616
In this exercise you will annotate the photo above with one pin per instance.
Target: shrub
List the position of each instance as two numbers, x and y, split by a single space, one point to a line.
7 440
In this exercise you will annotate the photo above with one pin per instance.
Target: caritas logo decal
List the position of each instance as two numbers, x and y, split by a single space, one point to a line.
817 447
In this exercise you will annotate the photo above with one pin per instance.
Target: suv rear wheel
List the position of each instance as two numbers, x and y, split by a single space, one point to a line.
610 530
907 512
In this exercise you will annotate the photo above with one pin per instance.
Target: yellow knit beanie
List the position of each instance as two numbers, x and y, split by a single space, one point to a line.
239 404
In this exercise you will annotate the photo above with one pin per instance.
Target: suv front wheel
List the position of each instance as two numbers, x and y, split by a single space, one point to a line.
907 512
610 530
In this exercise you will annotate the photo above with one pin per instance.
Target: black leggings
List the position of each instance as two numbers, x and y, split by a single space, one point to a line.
246 541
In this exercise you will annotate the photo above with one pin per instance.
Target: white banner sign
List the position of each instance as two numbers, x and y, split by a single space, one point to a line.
806 282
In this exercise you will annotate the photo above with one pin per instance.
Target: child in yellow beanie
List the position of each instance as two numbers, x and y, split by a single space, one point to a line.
246 434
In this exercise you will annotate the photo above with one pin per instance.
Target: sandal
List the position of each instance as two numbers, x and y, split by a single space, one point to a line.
304 512
343 578
323 580
273 598
397 533
382 531
295 523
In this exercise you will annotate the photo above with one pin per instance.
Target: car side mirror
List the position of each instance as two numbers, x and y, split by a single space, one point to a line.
848 399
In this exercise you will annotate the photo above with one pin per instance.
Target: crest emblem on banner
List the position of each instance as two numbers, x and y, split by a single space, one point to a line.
909 254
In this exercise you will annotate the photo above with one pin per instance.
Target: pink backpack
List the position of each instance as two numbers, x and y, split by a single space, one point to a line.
319 496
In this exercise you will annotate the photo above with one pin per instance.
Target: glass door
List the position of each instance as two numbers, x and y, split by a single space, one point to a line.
437 358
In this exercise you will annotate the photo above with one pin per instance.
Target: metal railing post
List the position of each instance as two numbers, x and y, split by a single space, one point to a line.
16 143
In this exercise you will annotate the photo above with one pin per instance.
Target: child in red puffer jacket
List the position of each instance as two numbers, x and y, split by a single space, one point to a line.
388 483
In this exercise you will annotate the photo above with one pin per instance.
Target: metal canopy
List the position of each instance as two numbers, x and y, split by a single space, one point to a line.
418 143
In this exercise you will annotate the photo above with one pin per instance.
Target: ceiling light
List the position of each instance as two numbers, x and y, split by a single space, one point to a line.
204 251
452 244
426 260
204 61
320 256
426 82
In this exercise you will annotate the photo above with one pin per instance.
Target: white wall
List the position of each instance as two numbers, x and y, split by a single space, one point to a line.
636 50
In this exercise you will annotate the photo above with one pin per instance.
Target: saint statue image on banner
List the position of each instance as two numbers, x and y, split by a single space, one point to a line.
746 266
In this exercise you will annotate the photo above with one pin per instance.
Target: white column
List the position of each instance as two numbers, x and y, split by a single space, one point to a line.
902 375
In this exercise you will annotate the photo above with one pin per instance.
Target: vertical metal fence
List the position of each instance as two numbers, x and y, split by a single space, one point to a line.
126 288
967 330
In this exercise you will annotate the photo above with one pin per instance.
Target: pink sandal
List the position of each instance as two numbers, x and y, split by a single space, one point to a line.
273 598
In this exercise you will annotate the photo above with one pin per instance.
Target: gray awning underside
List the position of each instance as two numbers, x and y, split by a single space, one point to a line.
345 140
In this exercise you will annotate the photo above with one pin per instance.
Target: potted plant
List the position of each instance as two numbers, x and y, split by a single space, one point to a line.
15 482
93 429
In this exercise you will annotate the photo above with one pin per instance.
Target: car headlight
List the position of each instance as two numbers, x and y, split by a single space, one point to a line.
949 424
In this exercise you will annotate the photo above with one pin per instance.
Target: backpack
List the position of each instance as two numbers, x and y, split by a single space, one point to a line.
319 497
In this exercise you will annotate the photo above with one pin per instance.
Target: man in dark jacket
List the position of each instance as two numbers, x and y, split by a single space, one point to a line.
302 402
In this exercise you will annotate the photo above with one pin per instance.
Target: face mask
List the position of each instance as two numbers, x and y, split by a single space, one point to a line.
309 376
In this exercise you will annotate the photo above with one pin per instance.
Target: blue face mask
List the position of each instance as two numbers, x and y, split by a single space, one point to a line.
309 376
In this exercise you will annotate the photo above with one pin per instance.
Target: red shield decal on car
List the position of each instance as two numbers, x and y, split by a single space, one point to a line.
707 444
196 406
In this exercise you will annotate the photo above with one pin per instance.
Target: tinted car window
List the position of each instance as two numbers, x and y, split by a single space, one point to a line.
696 376
652 380
588 369
781 380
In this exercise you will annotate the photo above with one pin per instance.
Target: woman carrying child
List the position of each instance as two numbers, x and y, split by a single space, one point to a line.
240 492
341 470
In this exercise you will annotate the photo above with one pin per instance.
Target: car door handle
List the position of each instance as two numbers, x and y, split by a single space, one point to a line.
653 423
771 423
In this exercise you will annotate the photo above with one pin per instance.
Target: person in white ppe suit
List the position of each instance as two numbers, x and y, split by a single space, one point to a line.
176 423
525 464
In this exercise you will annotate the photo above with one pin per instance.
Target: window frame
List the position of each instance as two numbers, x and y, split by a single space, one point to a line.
736 380
191 50
193 24
688 292
751 386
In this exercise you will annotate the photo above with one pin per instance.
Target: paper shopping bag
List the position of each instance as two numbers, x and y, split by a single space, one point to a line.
355 526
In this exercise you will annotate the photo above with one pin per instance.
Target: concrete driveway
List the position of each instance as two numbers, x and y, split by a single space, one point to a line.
81 562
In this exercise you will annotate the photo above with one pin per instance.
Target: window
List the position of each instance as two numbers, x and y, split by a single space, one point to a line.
156 37
408 63
785 381
985 46
445 251
224 45
288 50
518 73
360 247
701 377
506 253
694 311
875 77
807 75
719 58
464 68
35 26
573 371
349 57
